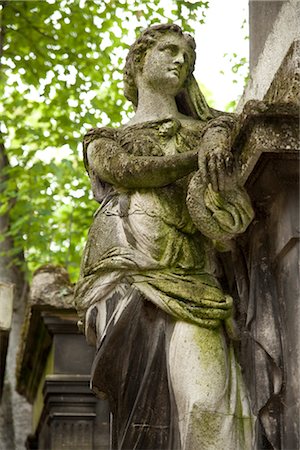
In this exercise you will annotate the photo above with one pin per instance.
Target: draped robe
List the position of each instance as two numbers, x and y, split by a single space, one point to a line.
164 360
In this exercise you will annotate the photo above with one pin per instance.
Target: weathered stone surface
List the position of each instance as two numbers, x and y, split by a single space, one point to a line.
283 35
265 127
152 245
65 412
267 268
148 296
6 311
285 86
6 306
51 287
262 16
53 366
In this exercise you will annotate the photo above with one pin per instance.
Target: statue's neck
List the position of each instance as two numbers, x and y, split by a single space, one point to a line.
153 105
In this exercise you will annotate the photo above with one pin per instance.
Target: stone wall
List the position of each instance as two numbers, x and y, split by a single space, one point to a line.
272 242
262 16
267 52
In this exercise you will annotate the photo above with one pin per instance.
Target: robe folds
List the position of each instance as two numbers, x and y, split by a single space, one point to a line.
151 303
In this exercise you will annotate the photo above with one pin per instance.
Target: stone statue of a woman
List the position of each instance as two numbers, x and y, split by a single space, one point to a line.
148 294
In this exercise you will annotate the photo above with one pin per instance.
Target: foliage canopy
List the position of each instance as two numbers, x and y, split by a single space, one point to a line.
61 74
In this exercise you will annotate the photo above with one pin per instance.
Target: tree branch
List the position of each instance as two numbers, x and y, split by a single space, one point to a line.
2 31
38 30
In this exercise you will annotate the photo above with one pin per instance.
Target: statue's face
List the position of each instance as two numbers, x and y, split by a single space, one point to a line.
167 64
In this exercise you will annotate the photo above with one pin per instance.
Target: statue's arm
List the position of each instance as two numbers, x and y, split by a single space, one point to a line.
215 157
218 204
113 165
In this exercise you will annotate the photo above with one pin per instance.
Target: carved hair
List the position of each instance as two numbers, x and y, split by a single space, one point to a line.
190 100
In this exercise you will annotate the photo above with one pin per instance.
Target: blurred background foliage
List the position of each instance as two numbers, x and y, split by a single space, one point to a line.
60 75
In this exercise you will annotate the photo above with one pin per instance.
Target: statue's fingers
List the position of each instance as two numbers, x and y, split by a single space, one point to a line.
221 169
229 164
202 165
213 172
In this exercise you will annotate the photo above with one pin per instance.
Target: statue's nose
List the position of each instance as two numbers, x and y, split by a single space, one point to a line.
179 59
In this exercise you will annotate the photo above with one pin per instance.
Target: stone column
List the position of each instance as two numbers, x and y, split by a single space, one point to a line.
6 311
54 369
268 148
269 309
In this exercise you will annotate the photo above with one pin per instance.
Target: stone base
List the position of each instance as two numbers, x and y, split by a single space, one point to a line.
72 417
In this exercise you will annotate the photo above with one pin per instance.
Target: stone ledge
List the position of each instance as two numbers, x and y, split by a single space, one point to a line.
51 296
265 128
36 345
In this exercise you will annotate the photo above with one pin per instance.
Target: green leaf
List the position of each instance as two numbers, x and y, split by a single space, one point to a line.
54 56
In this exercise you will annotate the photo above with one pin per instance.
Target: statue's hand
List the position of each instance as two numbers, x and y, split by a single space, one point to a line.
216 167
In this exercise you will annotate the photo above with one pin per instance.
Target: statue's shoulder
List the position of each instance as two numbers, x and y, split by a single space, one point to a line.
98 133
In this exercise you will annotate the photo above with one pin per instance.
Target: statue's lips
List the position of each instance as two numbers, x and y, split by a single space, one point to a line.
175 70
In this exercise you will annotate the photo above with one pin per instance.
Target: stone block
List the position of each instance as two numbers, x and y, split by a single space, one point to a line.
53 369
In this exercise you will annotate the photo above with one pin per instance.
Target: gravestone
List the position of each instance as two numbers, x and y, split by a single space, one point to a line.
139 356
149 328
53 370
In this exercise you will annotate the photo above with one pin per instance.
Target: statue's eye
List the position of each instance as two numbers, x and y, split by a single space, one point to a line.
169 48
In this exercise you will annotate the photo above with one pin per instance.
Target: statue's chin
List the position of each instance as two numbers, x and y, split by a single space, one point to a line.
172 83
